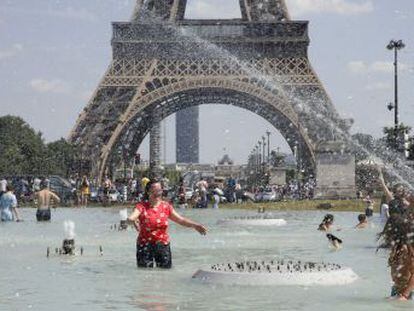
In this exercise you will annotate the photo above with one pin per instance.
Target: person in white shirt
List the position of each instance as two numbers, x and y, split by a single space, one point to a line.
384 210
3 186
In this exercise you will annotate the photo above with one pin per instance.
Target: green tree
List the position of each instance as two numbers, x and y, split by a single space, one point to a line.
411 149
60 157
21 148
23 151
395 138
277 159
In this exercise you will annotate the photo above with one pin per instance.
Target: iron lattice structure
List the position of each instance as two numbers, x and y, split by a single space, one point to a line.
163 63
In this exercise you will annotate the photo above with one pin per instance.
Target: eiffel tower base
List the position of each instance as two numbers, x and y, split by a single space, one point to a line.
335 172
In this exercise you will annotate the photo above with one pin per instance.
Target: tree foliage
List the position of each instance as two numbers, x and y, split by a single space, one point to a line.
24 152
395 137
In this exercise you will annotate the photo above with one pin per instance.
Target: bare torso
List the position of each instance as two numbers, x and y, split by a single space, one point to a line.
44 198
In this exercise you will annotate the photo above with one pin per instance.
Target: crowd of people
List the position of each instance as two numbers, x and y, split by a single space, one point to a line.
292 190
155 208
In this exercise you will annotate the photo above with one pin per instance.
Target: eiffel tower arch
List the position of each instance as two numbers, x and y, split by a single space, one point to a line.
163 63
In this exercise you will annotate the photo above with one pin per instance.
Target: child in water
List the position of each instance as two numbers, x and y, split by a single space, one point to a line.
363 222
336 243
398 236
326 223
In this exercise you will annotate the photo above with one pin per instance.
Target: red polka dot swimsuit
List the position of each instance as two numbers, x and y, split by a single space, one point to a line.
153 223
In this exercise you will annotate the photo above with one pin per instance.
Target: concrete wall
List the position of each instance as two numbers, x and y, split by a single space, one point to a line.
335 176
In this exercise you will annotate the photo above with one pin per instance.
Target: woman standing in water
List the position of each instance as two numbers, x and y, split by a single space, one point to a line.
398 236
151 217
85 191
397 199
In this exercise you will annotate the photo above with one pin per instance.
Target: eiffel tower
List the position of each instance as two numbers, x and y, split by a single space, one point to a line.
163 63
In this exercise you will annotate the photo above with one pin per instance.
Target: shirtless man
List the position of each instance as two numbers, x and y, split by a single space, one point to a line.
44 197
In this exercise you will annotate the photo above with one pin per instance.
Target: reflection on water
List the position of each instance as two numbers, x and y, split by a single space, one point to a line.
152 303
112 282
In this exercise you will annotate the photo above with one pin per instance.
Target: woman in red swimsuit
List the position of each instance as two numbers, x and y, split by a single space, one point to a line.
153 243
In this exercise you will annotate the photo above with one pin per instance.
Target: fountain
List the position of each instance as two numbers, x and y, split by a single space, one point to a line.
123 224
277 272
68 245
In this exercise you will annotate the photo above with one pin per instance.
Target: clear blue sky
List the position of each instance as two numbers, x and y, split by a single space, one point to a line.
53 53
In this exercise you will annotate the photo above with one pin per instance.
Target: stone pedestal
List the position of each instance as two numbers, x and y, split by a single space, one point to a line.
335 172
277 176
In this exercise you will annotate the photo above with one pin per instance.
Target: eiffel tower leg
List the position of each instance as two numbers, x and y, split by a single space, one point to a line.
155 148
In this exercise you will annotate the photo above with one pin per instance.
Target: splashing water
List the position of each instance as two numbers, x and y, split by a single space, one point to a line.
69 229
393 163
123 214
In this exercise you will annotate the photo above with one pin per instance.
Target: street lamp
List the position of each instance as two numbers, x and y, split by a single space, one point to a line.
264 148
396 46
260 151
257 165
268 146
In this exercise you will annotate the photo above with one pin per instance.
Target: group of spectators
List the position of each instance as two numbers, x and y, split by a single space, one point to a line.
23 187
293 190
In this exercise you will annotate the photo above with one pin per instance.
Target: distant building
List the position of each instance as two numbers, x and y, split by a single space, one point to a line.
226 168
187 135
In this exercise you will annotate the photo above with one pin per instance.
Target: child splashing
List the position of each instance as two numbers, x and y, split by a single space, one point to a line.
326 223
398 236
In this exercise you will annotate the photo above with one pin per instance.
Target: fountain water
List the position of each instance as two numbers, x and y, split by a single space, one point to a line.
277 272
255 220
68 245
123 215
395 166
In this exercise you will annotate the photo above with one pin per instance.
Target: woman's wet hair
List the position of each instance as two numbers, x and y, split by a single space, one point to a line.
362 217
148 188
397 187
333 238
398 231
329 218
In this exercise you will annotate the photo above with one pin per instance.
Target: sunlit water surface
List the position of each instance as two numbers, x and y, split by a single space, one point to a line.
30 280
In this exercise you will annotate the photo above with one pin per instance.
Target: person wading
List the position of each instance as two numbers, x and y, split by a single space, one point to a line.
151 219
44 198
8 205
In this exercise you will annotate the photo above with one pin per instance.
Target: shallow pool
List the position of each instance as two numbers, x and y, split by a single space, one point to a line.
30 280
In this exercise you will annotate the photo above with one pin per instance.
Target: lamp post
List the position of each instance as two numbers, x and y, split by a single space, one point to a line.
260 151
264 148
396 46
268 146
257 165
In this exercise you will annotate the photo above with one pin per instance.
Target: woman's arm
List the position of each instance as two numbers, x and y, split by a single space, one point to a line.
134 216
387 191
185 222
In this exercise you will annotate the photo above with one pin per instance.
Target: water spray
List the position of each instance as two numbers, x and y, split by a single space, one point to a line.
123 215
68 245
